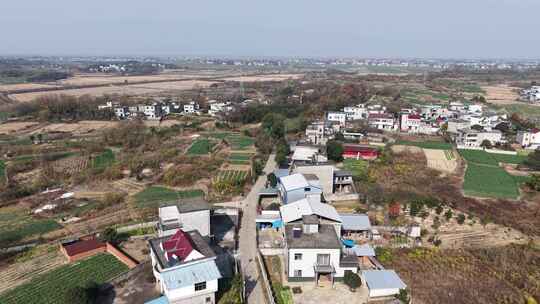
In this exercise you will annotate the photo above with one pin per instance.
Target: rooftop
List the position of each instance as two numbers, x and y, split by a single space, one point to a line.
294 211
194 273
82 246
196 241
325 238
383 279
355 222
294 181
186 205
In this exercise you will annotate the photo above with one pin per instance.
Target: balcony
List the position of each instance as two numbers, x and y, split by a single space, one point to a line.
323 268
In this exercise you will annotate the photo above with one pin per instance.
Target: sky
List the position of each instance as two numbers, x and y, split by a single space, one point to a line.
290 28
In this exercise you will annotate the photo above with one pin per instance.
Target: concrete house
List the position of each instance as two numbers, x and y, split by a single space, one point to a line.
356 113
191 108
217 108
382 283
185 268
313 250
410 122
454 125
529 139
318 133
295 187
382 121
190 214
469 138
339 117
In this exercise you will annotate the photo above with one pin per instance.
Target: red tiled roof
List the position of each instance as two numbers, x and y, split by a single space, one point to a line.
414 116
83 246
179 244
356 148
378 115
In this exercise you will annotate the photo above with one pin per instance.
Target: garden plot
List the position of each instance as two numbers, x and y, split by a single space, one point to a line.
16 225
232 175
237 158
441 160
201 147
54 286
153 196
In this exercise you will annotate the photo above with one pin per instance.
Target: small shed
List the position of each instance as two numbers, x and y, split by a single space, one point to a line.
382 283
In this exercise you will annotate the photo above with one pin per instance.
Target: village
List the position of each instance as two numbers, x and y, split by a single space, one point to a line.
267 194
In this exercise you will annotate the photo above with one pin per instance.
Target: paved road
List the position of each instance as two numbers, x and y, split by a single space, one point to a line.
247 238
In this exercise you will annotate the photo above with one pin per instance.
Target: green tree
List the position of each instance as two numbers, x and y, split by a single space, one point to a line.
352 280
461 218
534 182
533 160
403 296
272 179
486 144
334 150
110 235
234 294
448 214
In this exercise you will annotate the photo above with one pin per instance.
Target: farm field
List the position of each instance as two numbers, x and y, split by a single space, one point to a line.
259 78
501 94
152 197
232 175
439 145
237 141
489 181
54 286
71 165
492 159
469 276
16 225
104 159
200 147
358 168
130 89
441 160
240 158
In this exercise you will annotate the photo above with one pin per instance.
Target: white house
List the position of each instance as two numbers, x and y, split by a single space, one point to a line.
529 139
454 125
185 268
473 139
410 122
313 250
191 108
318 133
308 154
339 117
296 187
152 111
189 214
382 121
219 107
356 113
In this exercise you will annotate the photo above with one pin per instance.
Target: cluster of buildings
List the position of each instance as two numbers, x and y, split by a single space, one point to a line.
468 124
159 109
529 139
531 94
321 245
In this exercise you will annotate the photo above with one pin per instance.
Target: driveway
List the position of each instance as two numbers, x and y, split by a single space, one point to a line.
247 238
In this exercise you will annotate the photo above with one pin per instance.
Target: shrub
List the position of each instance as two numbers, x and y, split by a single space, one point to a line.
461 218
109 235
272 179
448 214
352 280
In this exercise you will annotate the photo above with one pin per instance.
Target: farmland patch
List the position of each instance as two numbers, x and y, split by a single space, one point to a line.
200 147
152 197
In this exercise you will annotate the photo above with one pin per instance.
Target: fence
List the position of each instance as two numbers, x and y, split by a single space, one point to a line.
267 287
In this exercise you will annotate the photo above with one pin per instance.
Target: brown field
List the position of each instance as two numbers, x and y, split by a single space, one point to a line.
495 275
436 159
260 78
13 127
26 86
501 94
134 89
79 128
99 79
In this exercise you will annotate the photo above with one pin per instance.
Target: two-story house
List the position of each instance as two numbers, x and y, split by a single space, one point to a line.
185 268
529 139
191 214
318 133
313 250
191 108
384 121
292 188
339 117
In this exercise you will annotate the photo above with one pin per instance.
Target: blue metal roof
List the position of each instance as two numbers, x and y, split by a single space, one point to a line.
160 300
383 279
363 250
191 274
279 173
355 222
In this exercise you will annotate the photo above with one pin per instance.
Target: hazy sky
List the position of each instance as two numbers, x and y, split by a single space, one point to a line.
376 28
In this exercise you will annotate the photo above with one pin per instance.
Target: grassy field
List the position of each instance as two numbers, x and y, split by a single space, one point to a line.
200 147
237 141
489 181
54 286
358 168
240 158
104 159
439 145
15 225
152 197
492 159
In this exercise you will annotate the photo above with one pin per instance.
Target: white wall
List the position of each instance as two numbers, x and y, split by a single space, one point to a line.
198 220
374 293
309 258
189 291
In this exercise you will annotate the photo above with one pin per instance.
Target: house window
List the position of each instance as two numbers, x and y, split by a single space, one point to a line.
297 256
307 189
298 273
200 286
208 300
